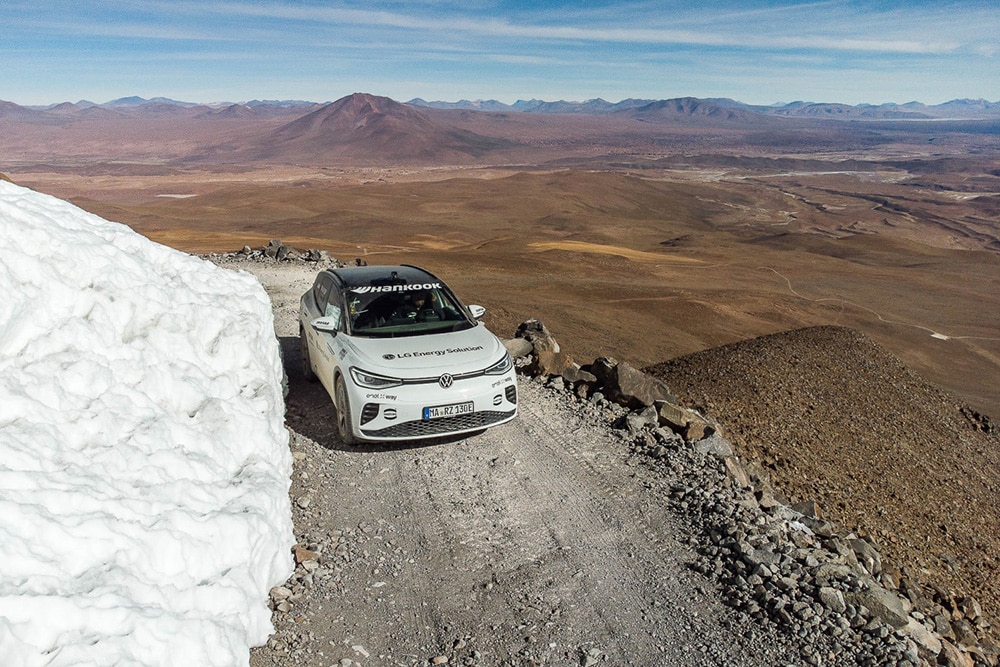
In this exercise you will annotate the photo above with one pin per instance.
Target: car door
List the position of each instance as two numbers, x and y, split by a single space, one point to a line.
313 306
329 345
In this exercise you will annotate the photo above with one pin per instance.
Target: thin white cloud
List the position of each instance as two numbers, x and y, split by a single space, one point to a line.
829 36
78 27
639 48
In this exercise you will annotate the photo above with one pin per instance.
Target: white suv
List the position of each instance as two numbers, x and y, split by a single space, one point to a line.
401 357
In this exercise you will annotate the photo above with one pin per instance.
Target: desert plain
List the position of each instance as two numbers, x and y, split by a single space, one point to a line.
643 234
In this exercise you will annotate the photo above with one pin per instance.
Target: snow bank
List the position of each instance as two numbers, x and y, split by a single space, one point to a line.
144 463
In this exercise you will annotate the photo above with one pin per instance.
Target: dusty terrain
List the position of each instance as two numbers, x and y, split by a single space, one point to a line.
550 541
537 542
637 267
644 235
840 421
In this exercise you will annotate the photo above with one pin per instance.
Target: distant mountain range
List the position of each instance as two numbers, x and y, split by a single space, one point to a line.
961 109
368 129
964 109
134 102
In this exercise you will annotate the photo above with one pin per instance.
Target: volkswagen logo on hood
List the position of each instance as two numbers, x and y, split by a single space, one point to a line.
445 380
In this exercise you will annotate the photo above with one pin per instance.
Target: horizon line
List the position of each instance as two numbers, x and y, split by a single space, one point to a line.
292 102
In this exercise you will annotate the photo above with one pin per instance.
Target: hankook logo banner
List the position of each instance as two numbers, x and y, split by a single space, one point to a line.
371 289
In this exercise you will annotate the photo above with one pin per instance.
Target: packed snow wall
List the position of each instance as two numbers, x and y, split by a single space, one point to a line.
144 462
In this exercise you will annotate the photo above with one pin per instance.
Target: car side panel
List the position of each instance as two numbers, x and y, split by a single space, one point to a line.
320 355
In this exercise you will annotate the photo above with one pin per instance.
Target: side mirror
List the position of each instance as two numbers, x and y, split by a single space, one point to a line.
325 324
476 312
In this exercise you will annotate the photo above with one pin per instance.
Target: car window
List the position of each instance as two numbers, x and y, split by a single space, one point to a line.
334 309
321 289
412 312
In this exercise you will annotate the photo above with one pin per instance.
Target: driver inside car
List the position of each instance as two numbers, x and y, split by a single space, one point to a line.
420 306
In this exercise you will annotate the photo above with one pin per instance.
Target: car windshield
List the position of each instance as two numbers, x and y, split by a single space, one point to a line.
403 311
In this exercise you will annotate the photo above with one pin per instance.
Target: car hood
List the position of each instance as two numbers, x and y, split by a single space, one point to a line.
469 350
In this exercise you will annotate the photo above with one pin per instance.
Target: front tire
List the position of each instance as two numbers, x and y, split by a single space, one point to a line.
307 370
343 405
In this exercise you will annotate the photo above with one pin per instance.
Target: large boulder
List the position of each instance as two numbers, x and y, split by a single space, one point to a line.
928 642
549 363
518 347
867 555
275 249
582 380
714 445
683 421
533 339
601 369
884 605
952 656
634 389
832 599
536 333
560 364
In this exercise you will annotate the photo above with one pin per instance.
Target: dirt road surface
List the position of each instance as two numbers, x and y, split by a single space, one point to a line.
540 542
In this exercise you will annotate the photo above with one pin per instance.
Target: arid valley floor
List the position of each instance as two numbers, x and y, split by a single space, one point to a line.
640 267
643 240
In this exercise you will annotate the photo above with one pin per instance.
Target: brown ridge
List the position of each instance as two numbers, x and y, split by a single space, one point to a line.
840 421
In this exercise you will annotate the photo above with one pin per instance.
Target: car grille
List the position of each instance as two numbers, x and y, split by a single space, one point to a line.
457 377
422 428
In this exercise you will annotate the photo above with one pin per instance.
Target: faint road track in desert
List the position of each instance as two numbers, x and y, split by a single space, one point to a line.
932 332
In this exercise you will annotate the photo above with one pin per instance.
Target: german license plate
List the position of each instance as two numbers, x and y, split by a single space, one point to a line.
439 411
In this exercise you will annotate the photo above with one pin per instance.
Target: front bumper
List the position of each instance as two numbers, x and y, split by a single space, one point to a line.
398 414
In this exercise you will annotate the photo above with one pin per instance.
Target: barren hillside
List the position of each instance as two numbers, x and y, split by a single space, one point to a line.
840 421
362 127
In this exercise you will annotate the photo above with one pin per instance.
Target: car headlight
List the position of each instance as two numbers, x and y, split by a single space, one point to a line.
500 367
374 381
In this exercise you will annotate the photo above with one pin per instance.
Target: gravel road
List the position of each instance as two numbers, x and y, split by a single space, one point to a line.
540 542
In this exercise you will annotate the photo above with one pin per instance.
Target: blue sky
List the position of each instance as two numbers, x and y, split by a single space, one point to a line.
755 52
